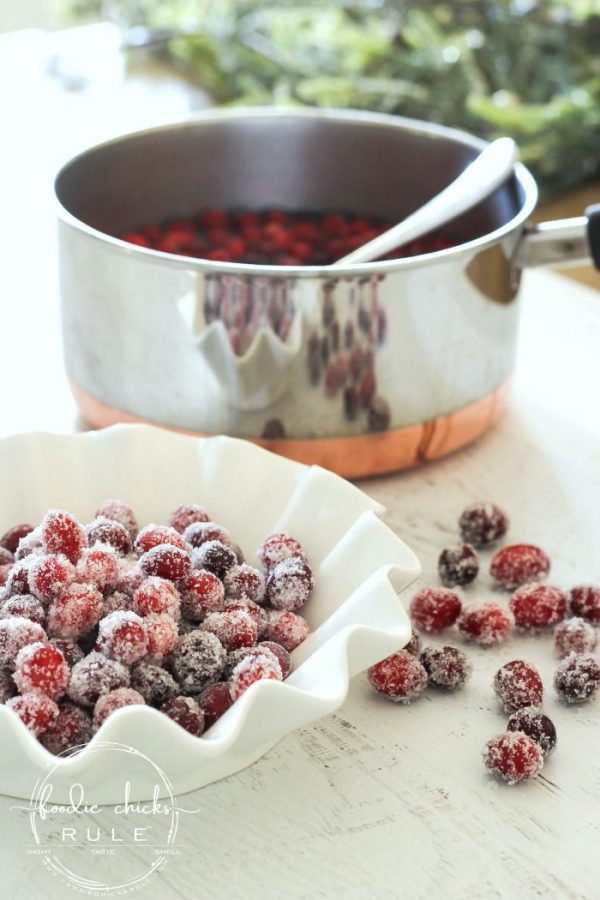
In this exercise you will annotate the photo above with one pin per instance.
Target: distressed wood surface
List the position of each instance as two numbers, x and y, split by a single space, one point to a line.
378 800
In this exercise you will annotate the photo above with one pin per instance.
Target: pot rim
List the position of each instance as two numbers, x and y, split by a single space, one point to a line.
430 129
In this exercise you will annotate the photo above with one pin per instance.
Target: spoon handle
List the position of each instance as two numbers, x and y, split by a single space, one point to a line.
481 177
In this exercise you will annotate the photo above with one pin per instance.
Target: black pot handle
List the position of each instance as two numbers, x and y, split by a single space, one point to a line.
593 232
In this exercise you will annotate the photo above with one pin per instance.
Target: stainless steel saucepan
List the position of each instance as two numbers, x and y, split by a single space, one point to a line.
365 369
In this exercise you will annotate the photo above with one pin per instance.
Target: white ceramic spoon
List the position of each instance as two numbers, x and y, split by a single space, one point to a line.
478 181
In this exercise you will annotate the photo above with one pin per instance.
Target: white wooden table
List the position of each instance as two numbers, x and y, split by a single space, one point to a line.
379 800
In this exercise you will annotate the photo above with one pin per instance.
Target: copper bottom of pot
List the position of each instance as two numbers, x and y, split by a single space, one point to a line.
353 457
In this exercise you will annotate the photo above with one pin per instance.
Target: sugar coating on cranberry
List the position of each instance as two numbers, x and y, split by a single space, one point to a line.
286 628
517 683
109 703
95 675
10 539
481 524
214 556
259 667
577 678
446 667
157 595
130 579
115 601
153 682
155 536
41 667
290 584
513 757
71 650
243 582
458 565
186 712
257 613
7 686
214 701
536 725
434 609
585 602
98 565
29 545
24 605
283 657
119 512
49 575
162 636
15 633
277 547
109 533
575 635
486 625
166 561
198 660
18 579
71 729
76 611
201 593
236 656
199 533
401 677
62 533
122 636
519 564
4 573
187 515
538 606
35 709
235 628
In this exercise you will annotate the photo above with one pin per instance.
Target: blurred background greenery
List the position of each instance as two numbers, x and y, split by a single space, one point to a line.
518 67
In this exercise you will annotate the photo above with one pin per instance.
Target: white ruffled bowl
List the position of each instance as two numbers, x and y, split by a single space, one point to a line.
355 613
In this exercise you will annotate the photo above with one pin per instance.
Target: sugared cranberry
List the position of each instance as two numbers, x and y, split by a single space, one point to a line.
401 677
18 579
286 628
154 683
214 701
95 675
262 666
10 539
122 636
257 613
17 632
121 513
198 533
536 725
186 712
98 565
487 625
186 515
518 684
575 636
577 678
458 565
155 536
36 710
434 609
130 580
283 657
41 667
49 575
289 584
30 544
114 700
24 605
277 547
166 561
75 612
107 531
234 628
162 635
62 533
198 660
214 556
481 524
156 595
71 729
519 564
537 606
201 593
244 582
71 651
585 602
114 602
513 757
446 667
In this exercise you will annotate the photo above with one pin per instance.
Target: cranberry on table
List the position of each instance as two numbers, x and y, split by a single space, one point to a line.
186 712
277 547
76 611
201 593
187 515
71 729
10 539
519 564
62 533
513 757
517 684
95 675
446 667
434 609
481 524
536 725
108 531
577 678
289 584
458 565
41 667
286 628
486 625
214 701
259 667
585 602
401 677
35 709
122 636
114 700
119 512
538 606
575 635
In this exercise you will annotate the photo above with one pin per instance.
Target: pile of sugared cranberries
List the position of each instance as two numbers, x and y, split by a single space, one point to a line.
97 617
